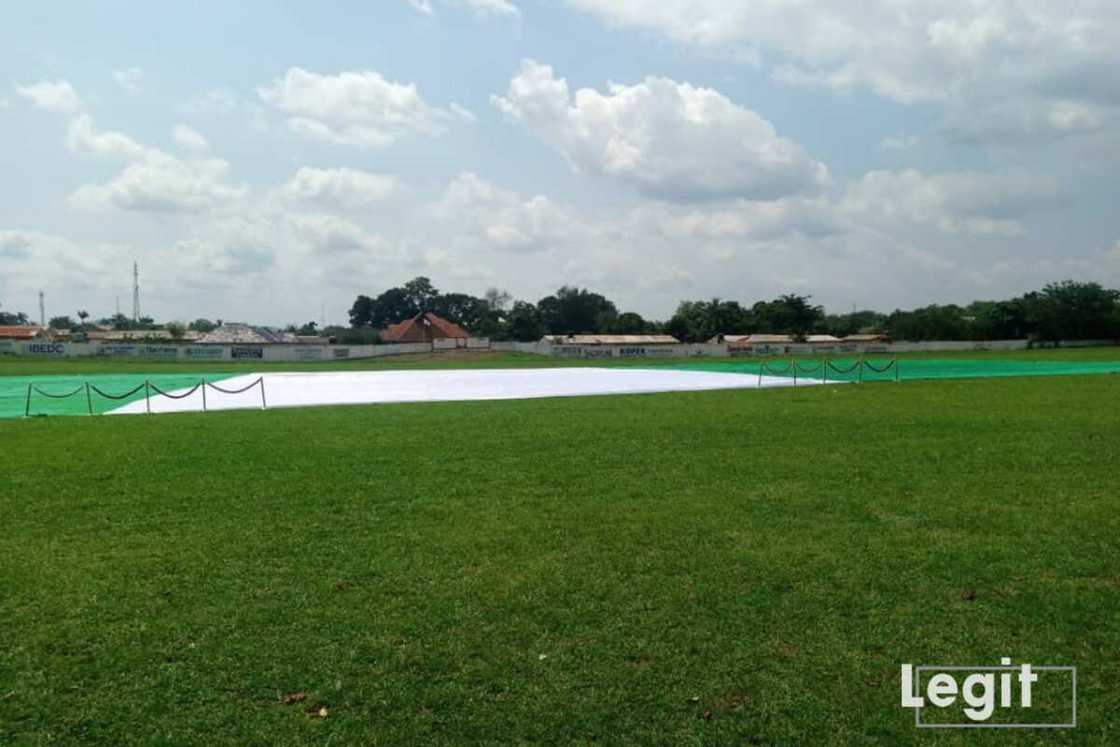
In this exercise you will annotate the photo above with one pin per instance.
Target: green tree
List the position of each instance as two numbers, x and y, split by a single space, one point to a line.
1070 310
575 311
420 294
789 314
628 323
8 318
202 325
496 299
361 313
61 322
524 322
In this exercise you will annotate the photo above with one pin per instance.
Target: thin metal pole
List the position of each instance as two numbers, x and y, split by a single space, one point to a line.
27 410
897 376
861 364
204 395
264 402
89 400
147 397
793 362
824 379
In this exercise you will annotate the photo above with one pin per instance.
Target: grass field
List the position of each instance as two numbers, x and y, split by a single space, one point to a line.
712 568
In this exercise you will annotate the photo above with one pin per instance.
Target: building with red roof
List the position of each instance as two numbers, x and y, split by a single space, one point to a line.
424 327
22 332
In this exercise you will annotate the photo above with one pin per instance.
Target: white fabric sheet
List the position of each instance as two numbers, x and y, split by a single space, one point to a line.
364 387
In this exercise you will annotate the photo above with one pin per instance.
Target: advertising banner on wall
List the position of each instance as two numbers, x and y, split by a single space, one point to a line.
45 348
116 350
306 353
204 353
246 352
158 351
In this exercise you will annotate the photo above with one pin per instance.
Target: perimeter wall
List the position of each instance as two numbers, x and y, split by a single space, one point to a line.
293 353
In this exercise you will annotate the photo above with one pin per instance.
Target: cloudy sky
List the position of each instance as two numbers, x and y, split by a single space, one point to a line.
268 161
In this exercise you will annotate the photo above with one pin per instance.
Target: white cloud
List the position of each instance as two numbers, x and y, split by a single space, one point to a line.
482 7
463 113
480 213
342 188
129 79
334 235
53 96
84 137
189 138
971 55
152 180
970 202
496 7
902 142
1073 115
36 260
352 108
667 139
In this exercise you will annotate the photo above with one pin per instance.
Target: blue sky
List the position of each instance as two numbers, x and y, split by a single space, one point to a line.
264 161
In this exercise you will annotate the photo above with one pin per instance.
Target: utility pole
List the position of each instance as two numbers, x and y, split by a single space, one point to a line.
42 311
135 292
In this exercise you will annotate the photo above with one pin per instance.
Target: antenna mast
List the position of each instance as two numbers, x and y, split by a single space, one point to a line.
135 292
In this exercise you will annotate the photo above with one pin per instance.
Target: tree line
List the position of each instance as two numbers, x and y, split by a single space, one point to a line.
1066 310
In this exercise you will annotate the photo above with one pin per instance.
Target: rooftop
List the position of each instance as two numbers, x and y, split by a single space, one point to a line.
20 332
613 339
397 331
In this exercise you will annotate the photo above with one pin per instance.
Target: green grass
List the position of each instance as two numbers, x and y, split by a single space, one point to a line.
45 366
710 568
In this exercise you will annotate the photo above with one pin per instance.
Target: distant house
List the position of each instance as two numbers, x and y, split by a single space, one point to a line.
766 340
139 335
424 327
22 332
237 333
823 340
612 340
767 343
867 338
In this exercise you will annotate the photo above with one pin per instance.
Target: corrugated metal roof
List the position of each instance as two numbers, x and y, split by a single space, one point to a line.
237 333
822 338
763 340
614 339
445 329
20 331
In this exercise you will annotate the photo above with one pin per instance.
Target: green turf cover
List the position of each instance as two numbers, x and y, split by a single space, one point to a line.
909 369
13 391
